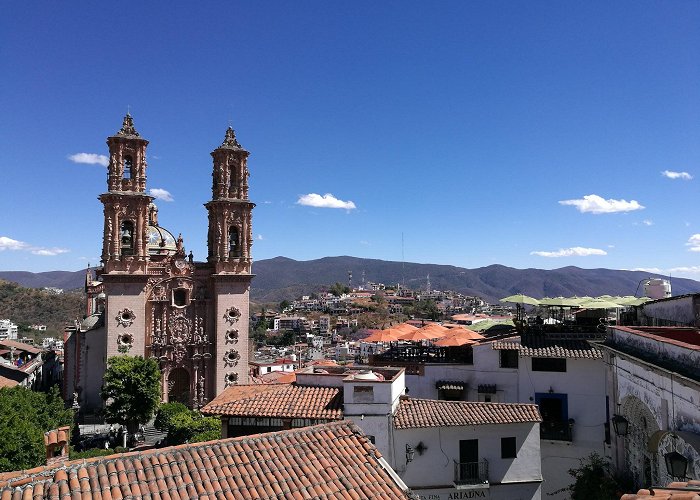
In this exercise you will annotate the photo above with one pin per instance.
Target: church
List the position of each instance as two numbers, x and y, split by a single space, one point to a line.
151 298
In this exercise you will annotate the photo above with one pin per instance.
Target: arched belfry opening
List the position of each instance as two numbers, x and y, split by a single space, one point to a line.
234 244
128 167
127 238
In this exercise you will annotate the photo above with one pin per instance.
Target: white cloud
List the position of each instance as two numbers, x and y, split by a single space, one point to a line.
654 270
648 222
267 202
49 251
365 242
677 175
10 244
89 158
571 252
259 237
694 243
160 194
685 270
594 204
325 201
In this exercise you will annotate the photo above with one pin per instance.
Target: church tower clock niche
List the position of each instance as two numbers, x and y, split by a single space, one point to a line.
229 242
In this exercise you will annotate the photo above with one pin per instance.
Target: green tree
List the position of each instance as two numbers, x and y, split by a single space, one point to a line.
339 289
186 426
594 478
284 305
24 417
131 390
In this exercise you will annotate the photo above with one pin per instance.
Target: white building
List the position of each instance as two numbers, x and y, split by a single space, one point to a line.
565 377
8 330
440 449
654 392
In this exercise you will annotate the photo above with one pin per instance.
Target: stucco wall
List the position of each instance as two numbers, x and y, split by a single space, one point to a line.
436 466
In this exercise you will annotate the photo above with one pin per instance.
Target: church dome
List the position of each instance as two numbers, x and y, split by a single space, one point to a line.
159 239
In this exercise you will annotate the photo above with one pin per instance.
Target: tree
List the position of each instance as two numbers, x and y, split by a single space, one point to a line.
24 418
594 479
284 305
131 390
186 426
339 289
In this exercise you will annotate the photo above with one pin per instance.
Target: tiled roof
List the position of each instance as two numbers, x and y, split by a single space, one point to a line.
543 347
692 492
415 413
326 461
280 401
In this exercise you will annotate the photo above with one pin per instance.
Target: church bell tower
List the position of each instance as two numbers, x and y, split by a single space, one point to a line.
229 241
126 203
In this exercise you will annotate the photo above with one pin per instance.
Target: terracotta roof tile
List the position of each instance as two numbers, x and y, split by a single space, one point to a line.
679 490
540 346
326 461
414 413
279 401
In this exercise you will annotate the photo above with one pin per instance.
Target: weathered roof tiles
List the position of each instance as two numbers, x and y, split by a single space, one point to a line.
326 461
415 413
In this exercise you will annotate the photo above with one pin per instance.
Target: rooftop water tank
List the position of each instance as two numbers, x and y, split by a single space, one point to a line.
657 288
366 375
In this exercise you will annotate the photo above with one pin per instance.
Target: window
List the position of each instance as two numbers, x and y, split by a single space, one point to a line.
509 358
363 394
508 449
548 364
180 297
128 166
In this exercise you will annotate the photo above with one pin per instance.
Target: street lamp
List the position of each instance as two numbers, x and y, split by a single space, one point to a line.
676 464
621 425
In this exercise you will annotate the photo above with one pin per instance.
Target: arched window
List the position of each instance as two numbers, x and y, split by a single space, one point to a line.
128 166
234 244
127 237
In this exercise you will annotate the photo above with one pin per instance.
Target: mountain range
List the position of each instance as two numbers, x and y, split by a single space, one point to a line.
282 278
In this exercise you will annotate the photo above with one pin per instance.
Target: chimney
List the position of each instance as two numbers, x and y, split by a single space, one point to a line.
56 442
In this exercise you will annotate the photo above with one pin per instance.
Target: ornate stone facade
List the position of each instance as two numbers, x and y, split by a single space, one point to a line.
159 302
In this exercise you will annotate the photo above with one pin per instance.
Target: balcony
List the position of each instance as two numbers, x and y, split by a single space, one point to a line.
557 430
471 473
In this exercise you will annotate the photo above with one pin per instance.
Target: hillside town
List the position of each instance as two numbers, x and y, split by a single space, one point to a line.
177 388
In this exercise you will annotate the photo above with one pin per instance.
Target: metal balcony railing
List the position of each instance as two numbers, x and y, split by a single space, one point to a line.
557 430
472 472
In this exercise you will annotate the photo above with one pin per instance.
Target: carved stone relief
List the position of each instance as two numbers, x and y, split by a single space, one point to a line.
125 317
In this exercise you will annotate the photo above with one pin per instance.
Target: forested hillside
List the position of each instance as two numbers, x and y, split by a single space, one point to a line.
28 306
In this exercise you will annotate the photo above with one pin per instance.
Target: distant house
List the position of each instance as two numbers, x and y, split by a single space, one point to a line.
28 366
8 330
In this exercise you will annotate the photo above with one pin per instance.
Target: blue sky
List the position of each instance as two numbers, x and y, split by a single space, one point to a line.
529 134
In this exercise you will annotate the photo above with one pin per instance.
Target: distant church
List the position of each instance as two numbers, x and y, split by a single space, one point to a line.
150 298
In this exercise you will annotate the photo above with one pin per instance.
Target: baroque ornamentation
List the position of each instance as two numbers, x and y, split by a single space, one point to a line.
180 328
230 379
232 314
179 353
125 339
231 357
231 336
125 317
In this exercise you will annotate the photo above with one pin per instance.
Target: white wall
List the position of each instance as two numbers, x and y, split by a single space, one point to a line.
435 467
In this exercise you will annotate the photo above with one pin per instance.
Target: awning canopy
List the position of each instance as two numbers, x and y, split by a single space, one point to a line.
447 385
